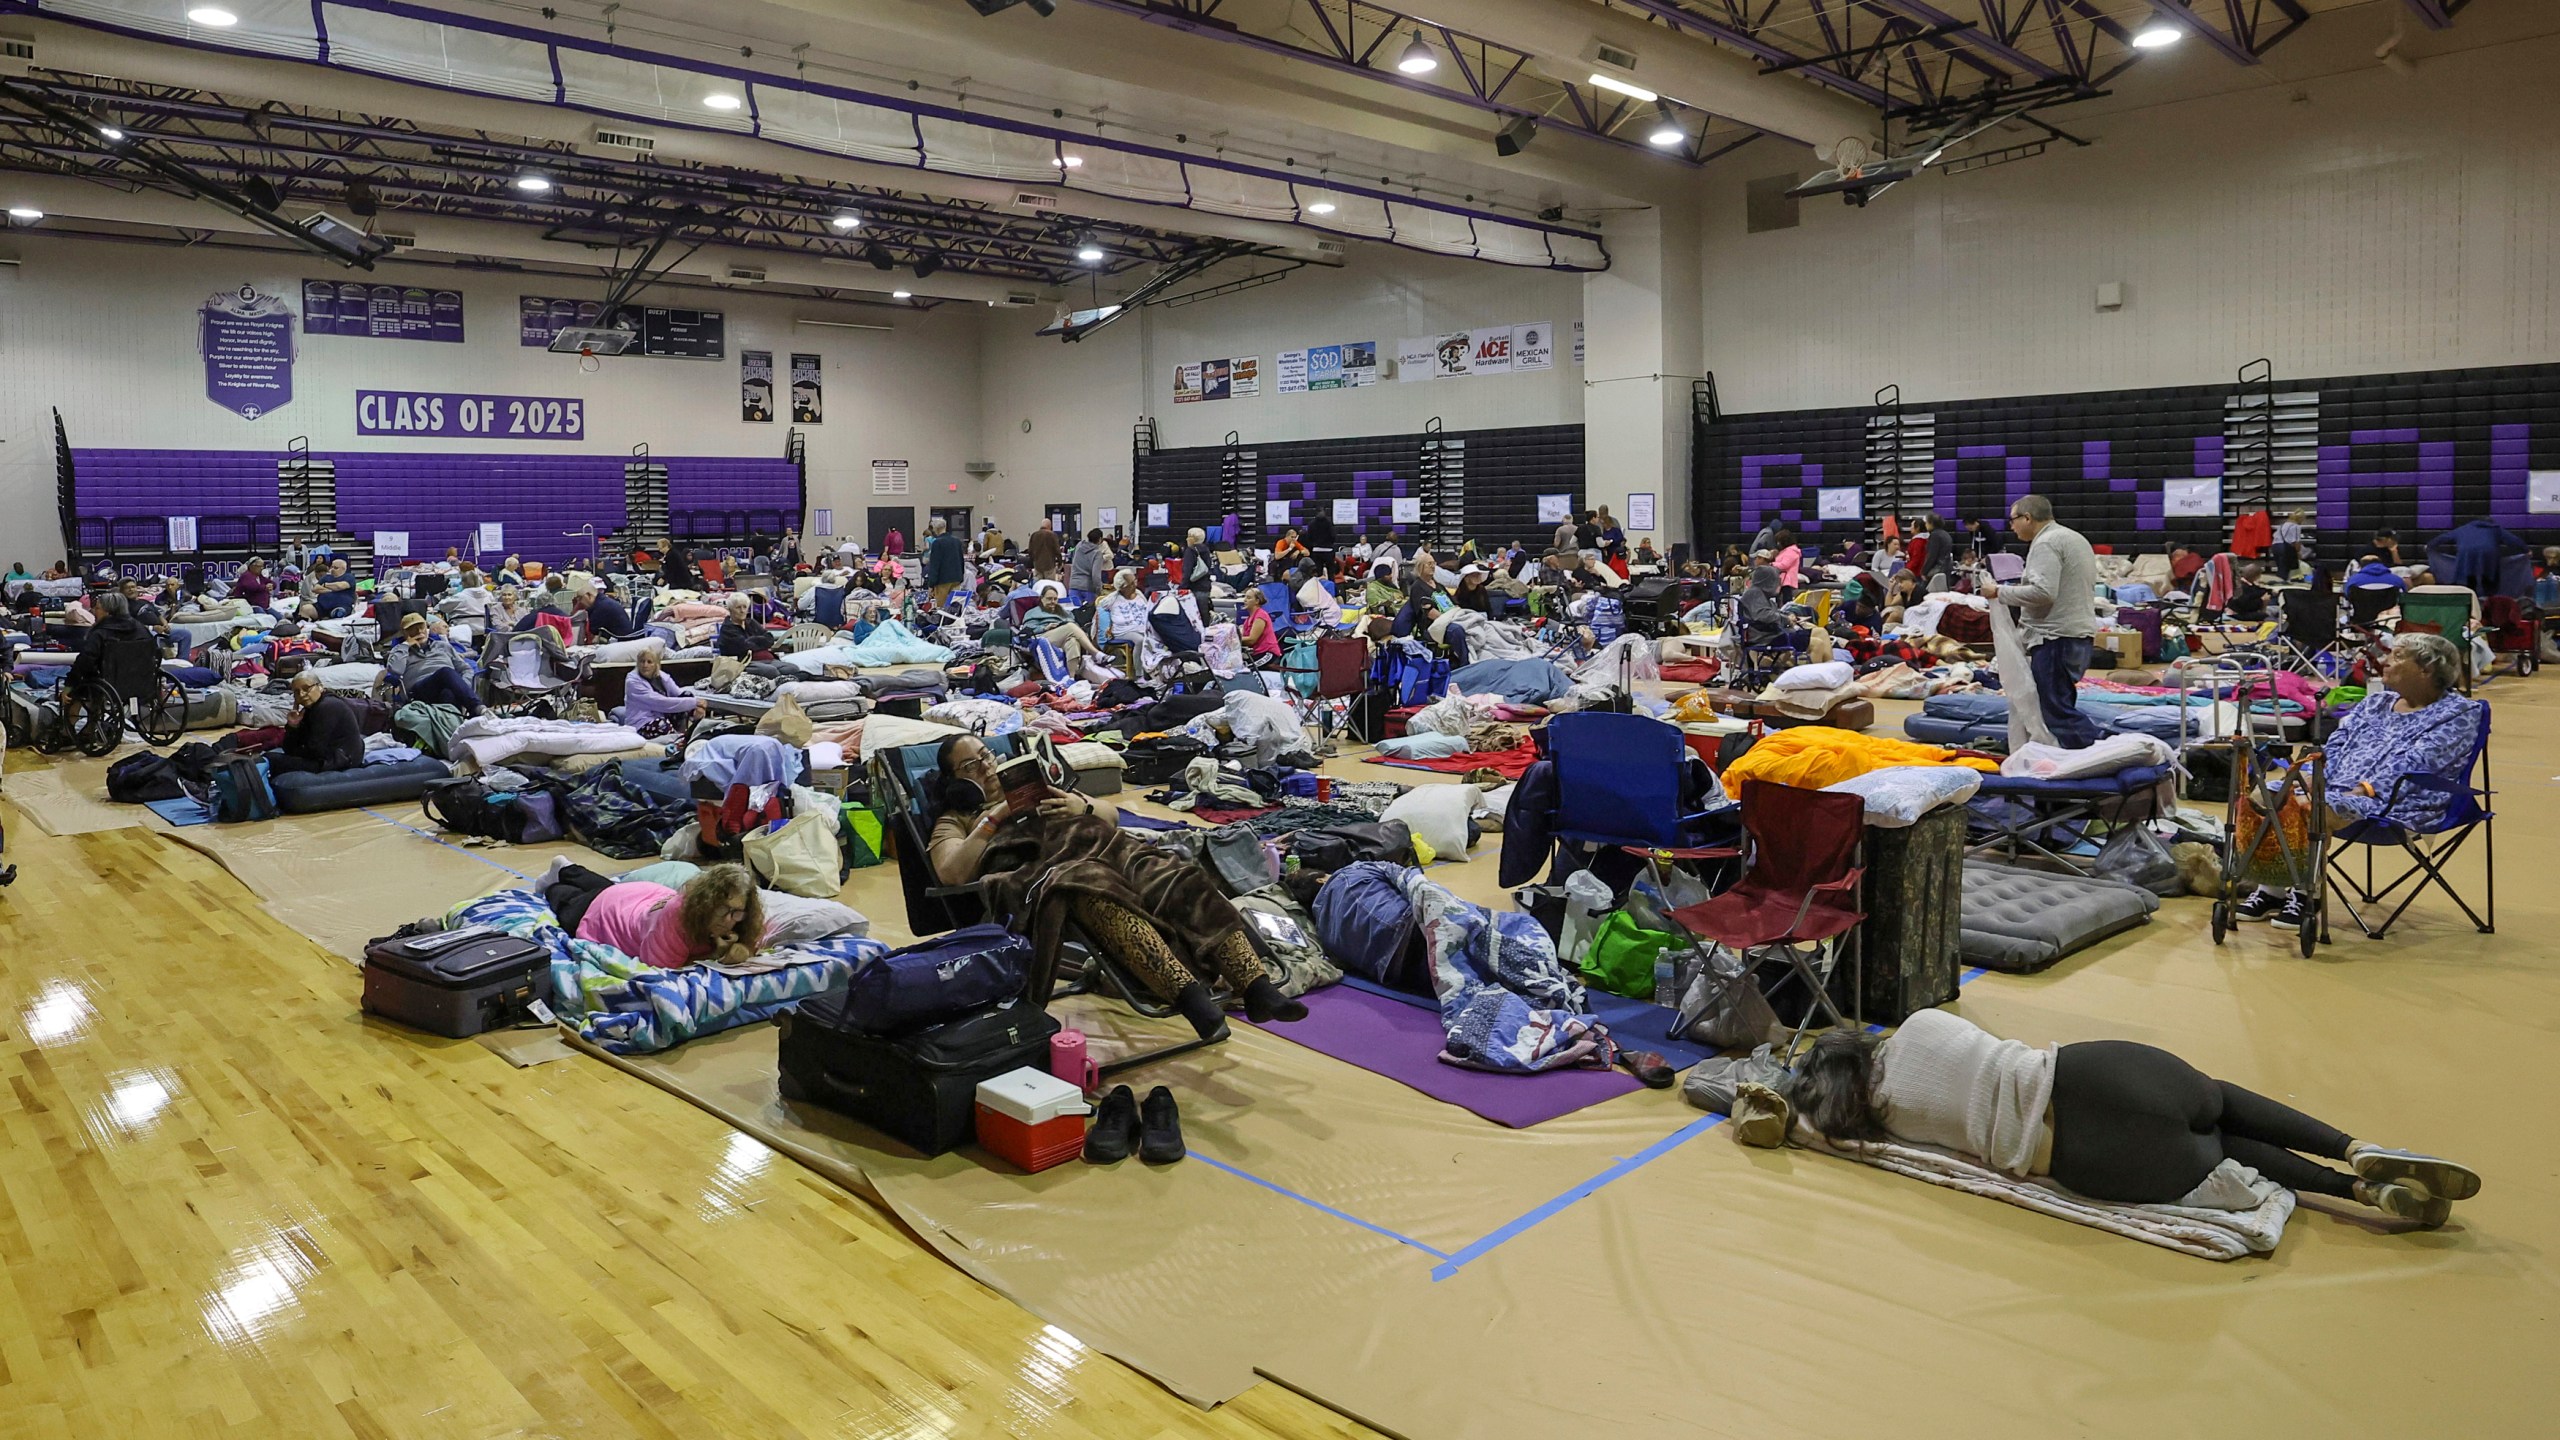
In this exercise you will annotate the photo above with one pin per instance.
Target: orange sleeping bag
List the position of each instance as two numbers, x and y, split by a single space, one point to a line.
1812 756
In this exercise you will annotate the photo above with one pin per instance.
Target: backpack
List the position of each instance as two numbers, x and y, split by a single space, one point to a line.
241 791
143 777
474 807
1284 934
608 813
1159 759
1365 922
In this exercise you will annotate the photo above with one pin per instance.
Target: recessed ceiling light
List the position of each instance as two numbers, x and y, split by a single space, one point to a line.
25 214
1417 58
213 16
1628 88
902 294
2157 36
846 221
721 100
1321 205
533 184
1069 162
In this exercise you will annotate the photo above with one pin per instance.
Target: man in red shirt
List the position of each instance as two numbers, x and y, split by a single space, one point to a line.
2183 565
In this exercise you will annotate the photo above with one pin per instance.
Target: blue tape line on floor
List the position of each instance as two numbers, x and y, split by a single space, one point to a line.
1320 1205
457 849
1512 1231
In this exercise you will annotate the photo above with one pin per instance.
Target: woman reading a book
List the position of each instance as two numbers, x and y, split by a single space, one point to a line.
1049 855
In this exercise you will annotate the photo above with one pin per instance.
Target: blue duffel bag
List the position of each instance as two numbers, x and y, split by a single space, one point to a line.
936 979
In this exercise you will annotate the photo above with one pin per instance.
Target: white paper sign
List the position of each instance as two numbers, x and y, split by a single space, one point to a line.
1110 517
182 534
2191 497
889 477
1533 346
1577 342
1415 357
1159 515
1275 512
391 544
1346 512
1554 509
1640 510
2542 492
1406 510
1840 503
1292 371
493 537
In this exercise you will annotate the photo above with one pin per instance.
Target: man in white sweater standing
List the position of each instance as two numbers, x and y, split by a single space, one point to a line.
2058 612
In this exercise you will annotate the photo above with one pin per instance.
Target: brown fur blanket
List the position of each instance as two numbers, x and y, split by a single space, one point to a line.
1038 866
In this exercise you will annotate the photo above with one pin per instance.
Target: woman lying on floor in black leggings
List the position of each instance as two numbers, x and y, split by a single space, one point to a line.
2109 1119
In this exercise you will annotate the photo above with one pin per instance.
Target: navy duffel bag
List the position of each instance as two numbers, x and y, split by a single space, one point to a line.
936 979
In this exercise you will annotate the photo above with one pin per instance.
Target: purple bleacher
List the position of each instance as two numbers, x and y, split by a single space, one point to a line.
114 483
440 500
731 485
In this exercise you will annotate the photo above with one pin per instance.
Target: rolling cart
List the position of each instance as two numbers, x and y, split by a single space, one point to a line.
2276 830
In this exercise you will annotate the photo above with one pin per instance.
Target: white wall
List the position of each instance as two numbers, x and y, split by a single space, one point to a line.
107 333
2380 224
1082 400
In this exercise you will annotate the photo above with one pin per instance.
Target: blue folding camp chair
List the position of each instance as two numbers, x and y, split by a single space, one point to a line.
1618 785
2430 845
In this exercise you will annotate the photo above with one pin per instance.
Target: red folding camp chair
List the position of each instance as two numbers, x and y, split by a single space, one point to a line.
1799 895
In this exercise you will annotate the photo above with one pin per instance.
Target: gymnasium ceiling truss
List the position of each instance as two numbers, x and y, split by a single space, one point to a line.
1353 37
312 157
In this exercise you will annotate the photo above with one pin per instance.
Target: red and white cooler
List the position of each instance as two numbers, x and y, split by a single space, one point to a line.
1031 1118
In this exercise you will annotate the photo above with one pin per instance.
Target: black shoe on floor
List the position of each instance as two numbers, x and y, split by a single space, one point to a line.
1114 1129
2291 914
1160 1128
2262 902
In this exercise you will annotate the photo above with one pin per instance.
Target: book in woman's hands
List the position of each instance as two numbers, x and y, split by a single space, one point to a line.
1023 782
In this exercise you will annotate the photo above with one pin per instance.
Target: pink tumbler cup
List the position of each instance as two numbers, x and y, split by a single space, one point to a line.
1068 1061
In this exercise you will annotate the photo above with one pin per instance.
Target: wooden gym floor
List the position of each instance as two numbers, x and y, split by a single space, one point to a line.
231 1205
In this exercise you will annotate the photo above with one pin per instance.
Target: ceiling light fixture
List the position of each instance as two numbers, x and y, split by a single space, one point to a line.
109 132
1089 248
1321 205
846 221
1628 88
212 17
1069 162
532 184
902 294
1667 129
722 100
1417 58
2159 35
25 214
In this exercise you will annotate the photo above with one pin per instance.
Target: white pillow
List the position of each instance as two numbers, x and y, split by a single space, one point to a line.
1899 795
624 652
799 919
1437 815
1829 675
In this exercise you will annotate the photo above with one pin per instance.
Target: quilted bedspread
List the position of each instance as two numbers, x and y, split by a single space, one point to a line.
632 1008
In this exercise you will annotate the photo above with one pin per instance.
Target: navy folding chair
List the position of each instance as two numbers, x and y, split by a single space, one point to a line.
1618 785
2429 844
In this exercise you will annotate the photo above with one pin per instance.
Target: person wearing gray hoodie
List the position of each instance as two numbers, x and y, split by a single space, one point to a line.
1089 567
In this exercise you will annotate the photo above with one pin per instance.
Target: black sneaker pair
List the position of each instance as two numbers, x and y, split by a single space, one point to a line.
2284 909
1155 1129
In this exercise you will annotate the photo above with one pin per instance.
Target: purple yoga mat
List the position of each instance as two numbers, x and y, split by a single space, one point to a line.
1402 1042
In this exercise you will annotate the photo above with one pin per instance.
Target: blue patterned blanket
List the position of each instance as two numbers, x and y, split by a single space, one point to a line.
631 1008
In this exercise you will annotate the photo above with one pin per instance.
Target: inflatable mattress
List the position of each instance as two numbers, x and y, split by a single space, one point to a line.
2020 921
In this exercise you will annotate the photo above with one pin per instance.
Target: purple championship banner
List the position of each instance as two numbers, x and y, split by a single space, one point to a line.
437 415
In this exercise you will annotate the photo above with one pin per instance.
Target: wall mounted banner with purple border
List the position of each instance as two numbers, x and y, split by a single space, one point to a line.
437 415
381 312
247 341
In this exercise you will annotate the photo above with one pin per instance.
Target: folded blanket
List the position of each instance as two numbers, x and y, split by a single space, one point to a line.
2234 1212
488 740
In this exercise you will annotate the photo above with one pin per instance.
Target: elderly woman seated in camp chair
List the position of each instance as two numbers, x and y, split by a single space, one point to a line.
2392 754
1048 856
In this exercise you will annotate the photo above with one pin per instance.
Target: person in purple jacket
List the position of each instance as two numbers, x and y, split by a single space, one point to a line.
652 702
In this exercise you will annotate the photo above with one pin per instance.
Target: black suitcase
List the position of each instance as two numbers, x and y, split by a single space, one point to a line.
455 983
919 1087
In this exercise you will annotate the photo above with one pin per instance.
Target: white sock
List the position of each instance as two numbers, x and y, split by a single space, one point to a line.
551 875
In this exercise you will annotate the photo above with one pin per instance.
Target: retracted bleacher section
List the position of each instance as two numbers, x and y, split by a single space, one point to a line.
1480 484
555 508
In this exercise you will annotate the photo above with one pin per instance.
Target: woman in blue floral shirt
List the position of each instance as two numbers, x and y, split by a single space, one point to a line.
2415 724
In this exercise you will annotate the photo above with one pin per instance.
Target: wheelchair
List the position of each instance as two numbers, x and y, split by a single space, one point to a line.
129 688
901 791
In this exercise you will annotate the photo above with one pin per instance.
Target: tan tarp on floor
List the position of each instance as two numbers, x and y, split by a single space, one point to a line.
69 797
